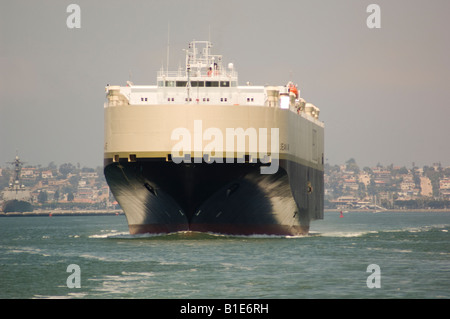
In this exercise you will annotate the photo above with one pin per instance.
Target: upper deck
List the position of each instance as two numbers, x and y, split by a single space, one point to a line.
205 80
200 65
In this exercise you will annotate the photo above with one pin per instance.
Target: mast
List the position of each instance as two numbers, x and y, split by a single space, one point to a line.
168 47
17 169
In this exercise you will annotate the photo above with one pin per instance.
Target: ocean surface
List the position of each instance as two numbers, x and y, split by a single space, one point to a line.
410 251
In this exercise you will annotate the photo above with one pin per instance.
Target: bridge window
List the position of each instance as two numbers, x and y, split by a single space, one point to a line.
195 84
212 84
181 83
225 84
170 83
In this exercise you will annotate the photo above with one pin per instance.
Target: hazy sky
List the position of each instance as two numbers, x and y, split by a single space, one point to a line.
384 94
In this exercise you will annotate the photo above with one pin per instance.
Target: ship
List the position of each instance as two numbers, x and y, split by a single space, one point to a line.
198 152
16 197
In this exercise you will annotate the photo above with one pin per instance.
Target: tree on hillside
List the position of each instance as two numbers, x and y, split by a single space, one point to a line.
70 197
42 197
352 166
52 166
74 181
56 195
434 178
368 170
66 168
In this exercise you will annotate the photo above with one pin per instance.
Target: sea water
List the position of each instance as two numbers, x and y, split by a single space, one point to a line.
410 249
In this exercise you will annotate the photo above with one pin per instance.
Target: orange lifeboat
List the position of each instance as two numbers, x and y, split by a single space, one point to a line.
293 89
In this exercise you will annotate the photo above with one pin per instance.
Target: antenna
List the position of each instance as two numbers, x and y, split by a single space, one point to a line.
168 46
209 33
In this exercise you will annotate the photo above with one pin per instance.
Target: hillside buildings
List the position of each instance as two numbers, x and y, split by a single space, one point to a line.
346 186
67 186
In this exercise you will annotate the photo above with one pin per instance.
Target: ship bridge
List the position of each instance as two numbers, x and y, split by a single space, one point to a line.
202 69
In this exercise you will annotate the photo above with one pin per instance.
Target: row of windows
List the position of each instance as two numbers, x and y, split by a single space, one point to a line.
197 83
205 99
171 99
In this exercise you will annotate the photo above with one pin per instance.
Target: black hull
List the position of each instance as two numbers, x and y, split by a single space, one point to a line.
17 206
160 196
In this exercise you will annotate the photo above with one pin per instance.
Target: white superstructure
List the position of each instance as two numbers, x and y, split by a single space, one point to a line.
206 81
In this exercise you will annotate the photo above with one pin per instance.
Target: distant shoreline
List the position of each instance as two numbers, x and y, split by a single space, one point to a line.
54 213
334 210
58 212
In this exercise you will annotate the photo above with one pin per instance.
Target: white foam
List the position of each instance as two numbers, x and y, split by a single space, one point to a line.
346 234
28 250
87 256
137 274
127 235
111 234
255 236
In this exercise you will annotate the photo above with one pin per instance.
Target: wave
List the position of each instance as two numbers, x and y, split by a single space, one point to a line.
197 236
361 233
348 233
111 234
138 275
70 295
127 235
95 257
184 235
343 234
421 229
27 250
